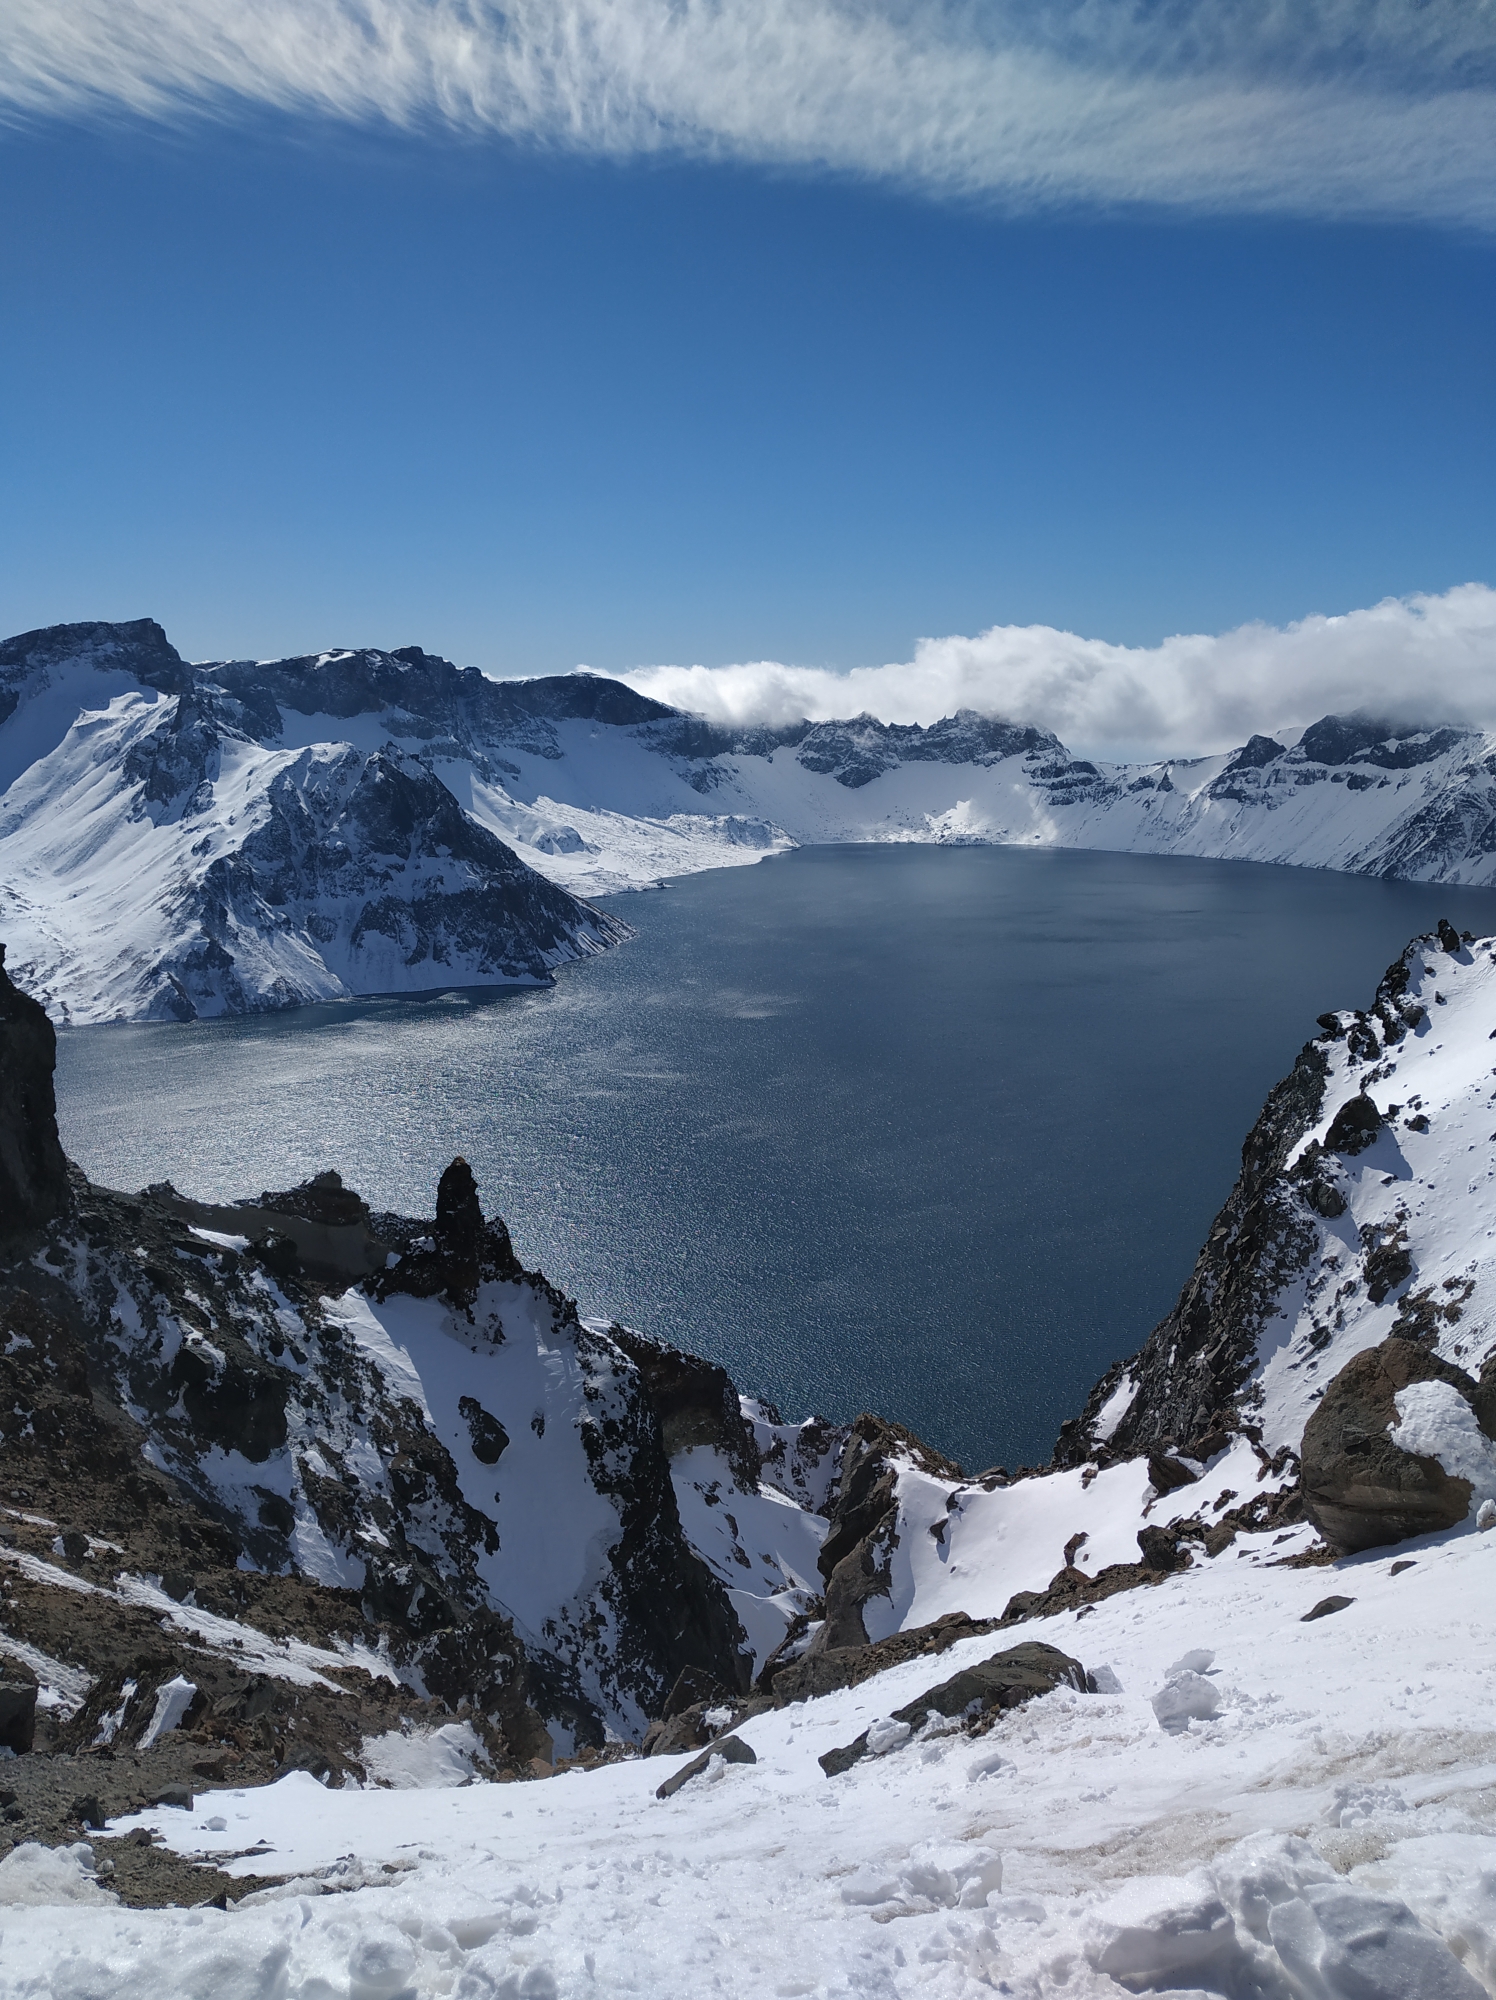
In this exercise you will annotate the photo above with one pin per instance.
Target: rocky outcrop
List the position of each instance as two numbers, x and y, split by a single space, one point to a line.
33 1172
977 1695
1362 1490
696 1403
1284 1245
802 1676
854 1558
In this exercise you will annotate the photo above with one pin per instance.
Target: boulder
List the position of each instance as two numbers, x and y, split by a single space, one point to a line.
731 1749
1361 1489
1004 1681
17 1716
1354 1126
33 1171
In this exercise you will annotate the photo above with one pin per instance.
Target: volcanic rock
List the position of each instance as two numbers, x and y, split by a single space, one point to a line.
979 1693
33 1171
1361 1490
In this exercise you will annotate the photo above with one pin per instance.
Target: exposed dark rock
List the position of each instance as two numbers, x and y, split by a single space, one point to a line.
731 1748
1254 754
17 1713
855 1556
456 1253
695 1401
979 1694
137 646
693 1688
1449 937
1168 1473
1354 1127
1361 1490
33 1171
1386 1268
489 1437
1325 1608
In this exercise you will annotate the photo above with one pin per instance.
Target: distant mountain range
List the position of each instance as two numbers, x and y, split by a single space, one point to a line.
181 840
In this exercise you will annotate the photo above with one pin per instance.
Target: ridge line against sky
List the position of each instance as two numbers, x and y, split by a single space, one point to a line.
1329 109
1419 659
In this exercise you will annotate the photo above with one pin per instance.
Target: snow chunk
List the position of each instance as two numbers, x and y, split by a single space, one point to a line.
886 1734
1184 1698
31 1875
173 1699
425 1759
1198 1661
1113 1410
1435 1421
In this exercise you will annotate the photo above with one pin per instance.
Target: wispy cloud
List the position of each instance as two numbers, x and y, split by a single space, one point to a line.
1421 659
1321 107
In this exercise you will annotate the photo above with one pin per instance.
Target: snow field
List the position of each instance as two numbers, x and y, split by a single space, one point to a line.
1076 1841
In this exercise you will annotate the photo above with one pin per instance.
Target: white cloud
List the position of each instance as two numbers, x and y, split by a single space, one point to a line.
1421 659
1325 107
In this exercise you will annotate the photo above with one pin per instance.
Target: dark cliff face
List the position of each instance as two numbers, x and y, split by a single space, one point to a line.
33 1171
138 647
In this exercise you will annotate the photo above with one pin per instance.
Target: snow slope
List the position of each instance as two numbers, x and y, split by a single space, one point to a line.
1282 1785
1329 1833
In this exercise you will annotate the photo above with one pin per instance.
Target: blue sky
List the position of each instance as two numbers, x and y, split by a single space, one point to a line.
288 372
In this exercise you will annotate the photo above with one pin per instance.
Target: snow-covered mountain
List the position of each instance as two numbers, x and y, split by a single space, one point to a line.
352 1502
162 861
180 840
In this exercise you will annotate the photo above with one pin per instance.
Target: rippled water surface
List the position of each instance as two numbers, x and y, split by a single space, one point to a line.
936 1132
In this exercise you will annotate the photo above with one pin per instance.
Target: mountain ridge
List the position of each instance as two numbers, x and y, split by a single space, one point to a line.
182 840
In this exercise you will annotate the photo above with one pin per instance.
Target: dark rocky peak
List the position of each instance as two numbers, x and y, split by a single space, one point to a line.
33 1171
856 752
322 1199
399 807
137 646
583 698
1256 752
459 1213
1366 739
455 1253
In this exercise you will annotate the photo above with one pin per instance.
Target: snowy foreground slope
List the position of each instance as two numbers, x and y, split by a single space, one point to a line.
1265 1768
1327 1832
179 840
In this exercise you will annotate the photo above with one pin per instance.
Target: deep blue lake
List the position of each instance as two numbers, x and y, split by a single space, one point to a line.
936 1132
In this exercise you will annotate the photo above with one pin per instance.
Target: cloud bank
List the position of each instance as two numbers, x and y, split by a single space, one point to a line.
1414 659
1324 107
